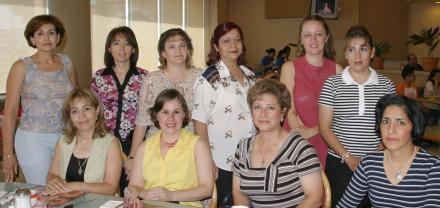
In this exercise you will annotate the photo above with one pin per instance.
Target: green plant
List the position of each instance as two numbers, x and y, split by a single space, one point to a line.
430 37
381 48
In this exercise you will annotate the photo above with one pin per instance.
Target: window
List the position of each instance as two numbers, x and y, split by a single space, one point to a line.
148 19
15 15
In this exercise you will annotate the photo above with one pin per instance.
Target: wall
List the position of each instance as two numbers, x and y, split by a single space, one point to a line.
76 18
261 33
423 15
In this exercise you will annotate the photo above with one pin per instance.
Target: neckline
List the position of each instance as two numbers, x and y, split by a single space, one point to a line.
48 72
251 147
407 172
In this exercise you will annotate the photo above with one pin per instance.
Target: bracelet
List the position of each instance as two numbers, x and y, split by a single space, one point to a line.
345 157
8 156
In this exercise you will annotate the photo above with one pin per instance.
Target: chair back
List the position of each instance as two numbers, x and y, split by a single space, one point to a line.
327 201
213 203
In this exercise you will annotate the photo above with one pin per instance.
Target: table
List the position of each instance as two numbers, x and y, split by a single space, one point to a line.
430 99
89 200
432 133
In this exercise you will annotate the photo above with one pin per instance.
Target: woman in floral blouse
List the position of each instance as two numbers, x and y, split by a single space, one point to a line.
176 72
118 86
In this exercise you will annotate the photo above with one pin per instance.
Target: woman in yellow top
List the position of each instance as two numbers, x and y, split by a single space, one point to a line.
173 164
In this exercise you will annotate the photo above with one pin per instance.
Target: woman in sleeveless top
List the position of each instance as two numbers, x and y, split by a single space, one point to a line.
305 77
42 82
87 158
173 164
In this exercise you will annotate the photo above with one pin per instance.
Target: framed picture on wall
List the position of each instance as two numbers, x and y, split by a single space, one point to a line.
325 8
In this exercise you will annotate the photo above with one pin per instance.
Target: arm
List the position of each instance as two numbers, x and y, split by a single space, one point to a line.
72 76
325 129
313 191
339 69
113 165
54 183
201 129
14 86
356 189
136 179
138 137
205 178
288 78
237 195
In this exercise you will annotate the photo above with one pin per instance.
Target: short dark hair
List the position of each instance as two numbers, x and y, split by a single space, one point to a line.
329 51
162 98
125 31
408 57
270 50
272 87
408 70
40 20
359 31
219 31
167 35
412 109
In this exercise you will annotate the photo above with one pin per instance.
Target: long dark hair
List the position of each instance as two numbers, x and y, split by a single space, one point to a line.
219 31
109 61
329 51
432 75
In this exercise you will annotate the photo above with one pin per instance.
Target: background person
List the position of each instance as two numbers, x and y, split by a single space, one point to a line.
403 175
87 158
268 61
173 164
275 168
220 113
407 87
305 76
346 110
39 83
432 88
118 86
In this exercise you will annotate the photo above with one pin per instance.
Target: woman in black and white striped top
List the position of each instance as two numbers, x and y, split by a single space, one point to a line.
346 110
275 168
403 175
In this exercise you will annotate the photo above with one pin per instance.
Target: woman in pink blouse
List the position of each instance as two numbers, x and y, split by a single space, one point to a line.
118 86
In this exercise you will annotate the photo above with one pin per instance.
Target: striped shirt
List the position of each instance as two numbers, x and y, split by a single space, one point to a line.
353 109
277 185
419 188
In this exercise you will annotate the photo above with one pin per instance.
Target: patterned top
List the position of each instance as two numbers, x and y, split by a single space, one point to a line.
43 95
119 101
177 170
153 85
419 188
353 109
277 185
220 102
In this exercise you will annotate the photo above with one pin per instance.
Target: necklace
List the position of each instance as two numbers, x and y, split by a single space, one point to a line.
399 174
80 170
171 144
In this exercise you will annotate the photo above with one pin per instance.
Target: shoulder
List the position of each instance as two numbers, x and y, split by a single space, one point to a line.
211 74
18 66
99 72
383 79
154 75
142 71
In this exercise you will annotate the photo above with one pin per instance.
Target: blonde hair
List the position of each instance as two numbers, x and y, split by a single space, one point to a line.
90 98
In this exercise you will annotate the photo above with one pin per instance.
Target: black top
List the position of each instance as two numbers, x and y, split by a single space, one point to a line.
73 169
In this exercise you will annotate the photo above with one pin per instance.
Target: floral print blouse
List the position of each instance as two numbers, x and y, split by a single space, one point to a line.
119 101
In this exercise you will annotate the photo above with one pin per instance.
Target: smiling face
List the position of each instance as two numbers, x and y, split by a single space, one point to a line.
83 115
358 54
45 38
176 50
170 117
120 49
267 113
395 128
313 37
230 46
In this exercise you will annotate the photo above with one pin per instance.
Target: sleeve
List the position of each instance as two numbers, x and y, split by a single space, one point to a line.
433 183
327 96
204 97
147 96
356 189
401 89
307 161
94 85
391 87
237 162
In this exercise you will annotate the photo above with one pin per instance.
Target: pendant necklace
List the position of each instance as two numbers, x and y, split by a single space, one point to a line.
80 170
399 173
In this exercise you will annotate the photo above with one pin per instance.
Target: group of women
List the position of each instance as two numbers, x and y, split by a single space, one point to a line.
264 143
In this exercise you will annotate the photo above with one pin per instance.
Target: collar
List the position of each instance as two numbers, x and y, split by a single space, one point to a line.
348 80
110 71
224 72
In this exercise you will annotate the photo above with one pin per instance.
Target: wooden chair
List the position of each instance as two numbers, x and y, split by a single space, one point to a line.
213 203
327 201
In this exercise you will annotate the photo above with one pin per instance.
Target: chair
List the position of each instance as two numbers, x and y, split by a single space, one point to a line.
327 201
213 203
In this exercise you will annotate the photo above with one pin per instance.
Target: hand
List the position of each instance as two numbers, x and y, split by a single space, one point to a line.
72 186
127 164
158 194
10 168
130 199
352 162
56 186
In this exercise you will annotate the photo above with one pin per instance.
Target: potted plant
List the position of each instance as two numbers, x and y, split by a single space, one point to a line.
430 37
380 50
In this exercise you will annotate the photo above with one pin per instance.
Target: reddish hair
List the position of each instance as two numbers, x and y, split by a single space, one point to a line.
219 31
